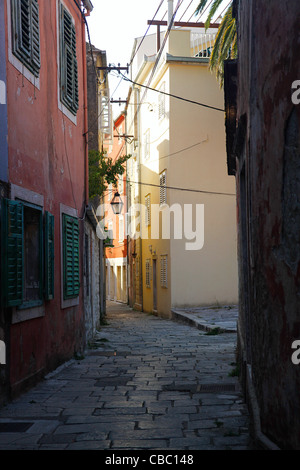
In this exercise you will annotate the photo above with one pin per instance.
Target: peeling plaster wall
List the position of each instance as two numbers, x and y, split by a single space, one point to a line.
269 62
46 155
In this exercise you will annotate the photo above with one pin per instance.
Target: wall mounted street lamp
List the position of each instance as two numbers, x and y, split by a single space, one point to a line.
117 203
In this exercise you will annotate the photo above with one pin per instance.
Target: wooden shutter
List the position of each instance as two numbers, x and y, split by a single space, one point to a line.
148 211
49 256
35 38
12 255
162 189
164 271
69 67
71 257
26 33
147 272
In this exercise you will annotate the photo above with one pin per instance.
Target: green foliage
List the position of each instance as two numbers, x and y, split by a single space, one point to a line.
103 171
225 46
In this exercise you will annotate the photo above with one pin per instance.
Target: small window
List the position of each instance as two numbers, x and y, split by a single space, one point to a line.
147 144
148 210
71 279
163 188
164 271
121 228
148 273
33 274
110 191
121 184
26 33
24 266
68 62
161 102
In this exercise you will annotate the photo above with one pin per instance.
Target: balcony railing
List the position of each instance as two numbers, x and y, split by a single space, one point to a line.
202 44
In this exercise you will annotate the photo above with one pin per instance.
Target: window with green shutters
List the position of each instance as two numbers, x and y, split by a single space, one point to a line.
49 256
26 34
71 276
12 253
27 264
68 62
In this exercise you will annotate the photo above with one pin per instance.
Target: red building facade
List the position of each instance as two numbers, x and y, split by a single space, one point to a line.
116 254
43 210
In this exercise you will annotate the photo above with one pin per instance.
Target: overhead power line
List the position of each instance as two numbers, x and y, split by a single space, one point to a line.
181 189
173 96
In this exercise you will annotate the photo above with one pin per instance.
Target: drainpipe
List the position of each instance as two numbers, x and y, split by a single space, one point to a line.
170 12
84 74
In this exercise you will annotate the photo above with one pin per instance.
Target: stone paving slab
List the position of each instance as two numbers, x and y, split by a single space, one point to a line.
153 384
209 318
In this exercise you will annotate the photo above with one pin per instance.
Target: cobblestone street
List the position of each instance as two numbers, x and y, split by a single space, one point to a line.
145 383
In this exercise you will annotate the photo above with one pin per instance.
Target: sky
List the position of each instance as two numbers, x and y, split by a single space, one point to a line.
114 24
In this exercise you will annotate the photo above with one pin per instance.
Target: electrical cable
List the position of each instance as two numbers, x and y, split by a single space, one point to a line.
181 189
146 32
89 38
173 96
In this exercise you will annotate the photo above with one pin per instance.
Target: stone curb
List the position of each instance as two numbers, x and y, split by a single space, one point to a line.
190 319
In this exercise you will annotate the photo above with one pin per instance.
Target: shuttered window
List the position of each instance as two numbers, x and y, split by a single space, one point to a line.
22 254
70 257
68 62
161 102
49 256
163 188
164 271
26 34
12 253
148 273
148 210
147 144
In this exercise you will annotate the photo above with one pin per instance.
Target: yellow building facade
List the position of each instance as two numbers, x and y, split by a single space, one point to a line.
183 214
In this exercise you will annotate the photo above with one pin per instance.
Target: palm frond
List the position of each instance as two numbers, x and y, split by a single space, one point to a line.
225 45
214 7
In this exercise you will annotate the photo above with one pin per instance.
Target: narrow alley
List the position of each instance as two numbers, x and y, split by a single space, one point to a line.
144 383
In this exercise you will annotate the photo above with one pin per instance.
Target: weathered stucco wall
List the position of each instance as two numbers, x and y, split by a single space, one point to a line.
268 64
46 155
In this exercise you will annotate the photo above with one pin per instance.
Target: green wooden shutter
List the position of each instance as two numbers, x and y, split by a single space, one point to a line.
35 38
12 255
25 33
49 256
71 257
69 66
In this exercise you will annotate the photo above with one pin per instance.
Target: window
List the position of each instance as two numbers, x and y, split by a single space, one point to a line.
161 102
121 184
26 34
164 271
24 242
121 228
148 210
110 191
147 144
68 62
71 279
87 264
148 273
163 188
